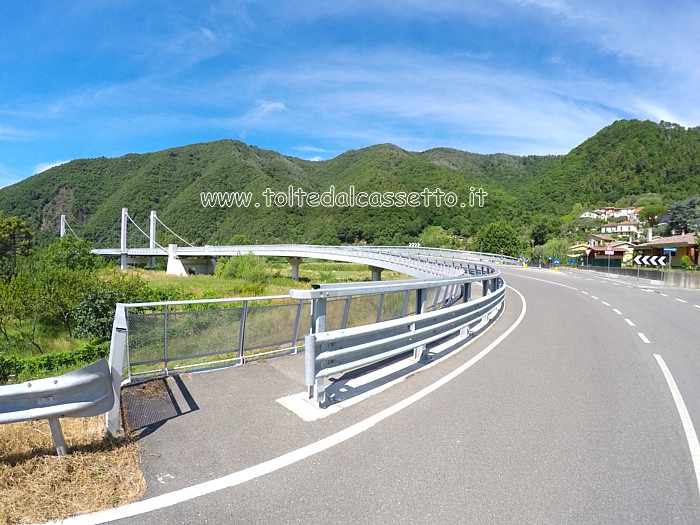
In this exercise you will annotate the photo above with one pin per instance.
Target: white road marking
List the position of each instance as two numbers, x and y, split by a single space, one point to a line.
663 294
629 322
606 304
256 471
584 292
594 297
643 337
681 300
618 312
696 305
688 427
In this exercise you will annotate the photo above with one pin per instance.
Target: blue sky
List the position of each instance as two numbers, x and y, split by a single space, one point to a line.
311 79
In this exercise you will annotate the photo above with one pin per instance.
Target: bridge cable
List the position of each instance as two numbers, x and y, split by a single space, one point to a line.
171 231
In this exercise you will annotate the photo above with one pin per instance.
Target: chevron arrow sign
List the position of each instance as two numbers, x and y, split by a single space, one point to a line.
650 260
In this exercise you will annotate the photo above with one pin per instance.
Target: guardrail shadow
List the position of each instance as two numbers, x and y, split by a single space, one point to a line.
148 405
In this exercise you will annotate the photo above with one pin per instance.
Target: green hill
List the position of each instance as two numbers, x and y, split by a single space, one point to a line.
625 159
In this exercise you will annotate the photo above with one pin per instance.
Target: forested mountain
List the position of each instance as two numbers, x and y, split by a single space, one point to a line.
626 159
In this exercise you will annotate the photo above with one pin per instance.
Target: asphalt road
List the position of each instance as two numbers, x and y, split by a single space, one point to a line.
568 419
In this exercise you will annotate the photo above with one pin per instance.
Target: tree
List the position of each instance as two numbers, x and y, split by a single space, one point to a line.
434 236
500 238
685 215
72 253
15 241
62 290
652 213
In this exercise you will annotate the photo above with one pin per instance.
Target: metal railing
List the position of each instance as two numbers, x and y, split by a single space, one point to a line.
442 308
162 338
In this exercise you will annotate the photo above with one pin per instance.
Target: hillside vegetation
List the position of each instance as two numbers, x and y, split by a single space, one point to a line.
622 161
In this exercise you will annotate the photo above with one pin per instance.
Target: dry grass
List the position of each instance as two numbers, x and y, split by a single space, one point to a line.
37 486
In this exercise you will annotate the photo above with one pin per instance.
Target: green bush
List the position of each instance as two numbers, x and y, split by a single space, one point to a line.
18 369
248 267
686 263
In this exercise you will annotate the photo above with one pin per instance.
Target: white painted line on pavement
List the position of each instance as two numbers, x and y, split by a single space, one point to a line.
606 304
629 322
256 471
594 297
688 427
696 305
663 294
584 292
643 337
681 300
618 312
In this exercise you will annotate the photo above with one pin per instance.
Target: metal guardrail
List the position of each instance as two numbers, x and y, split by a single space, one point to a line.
329 353
81 393
155 339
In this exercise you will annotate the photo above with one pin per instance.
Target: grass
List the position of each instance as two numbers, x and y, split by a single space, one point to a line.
37 486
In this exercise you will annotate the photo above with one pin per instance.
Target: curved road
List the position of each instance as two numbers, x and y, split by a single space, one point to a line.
568 419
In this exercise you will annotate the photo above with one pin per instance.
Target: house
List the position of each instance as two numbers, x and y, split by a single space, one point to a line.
686 244
602 250
591 215
620 228
599 240
610 212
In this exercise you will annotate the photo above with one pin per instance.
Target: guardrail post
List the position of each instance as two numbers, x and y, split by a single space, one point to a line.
486 287
241 333
316 387
165 339
296 325
421 307
379 308
59 441
466 292
117 349
318 315
346 312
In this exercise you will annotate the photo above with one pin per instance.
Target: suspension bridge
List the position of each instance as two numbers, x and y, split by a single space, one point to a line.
140 246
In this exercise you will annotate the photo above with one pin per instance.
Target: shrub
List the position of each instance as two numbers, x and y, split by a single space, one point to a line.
686 263
248 267
18 369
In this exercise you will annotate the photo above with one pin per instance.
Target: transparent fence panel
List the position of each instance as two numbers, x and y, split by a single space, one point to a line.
335 313
270 329
202 333
393 305
196 335
363 310
146 339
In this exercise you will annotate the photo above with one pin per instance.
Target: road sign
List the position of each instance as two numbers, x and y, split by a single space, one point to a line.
588 251
556 261
550 257
650 260
670 250
527 260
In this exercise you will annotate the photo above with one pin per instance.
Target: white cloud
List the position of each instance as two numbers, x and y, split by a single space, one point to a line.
43 166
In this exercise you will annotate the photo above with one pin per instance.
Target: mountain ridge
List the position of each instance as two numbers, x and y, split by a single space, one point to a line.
625 159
